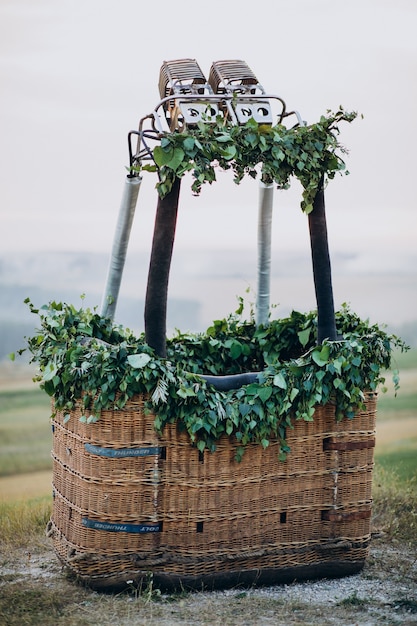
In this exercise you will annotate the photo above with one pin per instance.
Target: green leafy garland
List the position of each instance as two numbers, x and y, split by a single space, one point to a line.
84 358
309 153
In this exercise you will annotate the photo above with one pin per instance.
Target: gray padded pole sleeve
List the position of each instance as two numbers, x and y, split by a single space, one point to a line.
120 243
266 195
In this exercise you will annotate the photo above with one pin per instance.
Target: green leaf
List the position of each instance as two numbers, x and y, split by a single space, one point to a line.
239 454
252 389
294 393
176 160
304 336
265 393
223 138
50 371
189 143
279 381
161 156
321 357
186 392
138 361
337 364
244 409
228 153
235 350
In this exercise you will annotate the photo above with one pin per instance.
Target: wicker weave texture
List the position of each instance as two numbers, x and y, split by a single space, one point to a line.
127 501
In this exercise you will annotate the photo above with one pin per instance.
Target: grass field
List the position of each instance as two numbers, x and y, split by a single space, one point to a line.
25 432
396 440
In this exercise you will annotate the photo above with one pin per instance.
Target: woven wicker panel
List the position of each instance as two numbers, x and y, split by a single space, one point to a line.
74 453
128 502
117 428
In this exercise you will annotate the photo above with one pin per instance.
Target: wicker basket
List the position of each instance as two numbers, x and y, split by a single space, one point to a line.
128 503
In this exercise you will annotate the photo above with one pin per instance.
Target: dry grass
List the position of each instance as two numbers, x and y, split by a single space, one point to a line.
395 508
23 522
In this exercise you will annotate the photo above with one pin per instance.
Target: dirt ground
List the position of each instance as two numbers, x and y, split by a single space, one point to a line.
34 589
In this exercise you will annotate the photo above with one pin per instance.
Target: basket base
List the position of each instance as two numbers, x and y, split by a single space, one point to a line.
124 573
224 580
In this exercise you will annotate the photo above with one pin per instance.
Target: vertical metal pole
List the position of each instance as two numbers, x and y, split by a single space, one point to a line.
120 243
266 196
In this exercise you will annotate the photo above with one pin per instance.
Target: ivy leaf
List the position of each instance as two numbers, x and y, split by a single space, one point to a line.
50 371
189 143
294 393
176 159
264 393
304 336
337 364
186 392
279 381
239 454
161 156
228 153
223 138
138 361
229 427
149 168
321 357
244 409
235 349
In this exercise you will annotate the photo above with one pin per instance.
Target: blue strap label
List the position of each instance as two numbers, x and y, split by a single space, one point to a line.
120 527
119 453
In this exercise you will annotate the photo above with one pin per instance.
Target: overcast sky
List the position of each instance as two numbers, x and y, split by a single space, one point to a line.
77 76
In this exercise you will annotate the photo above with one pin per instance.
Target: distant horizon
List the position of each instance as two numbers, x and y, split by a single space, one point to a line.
216 281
